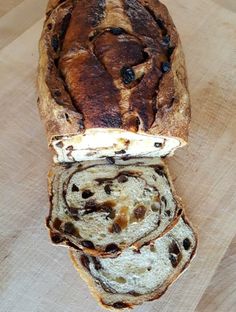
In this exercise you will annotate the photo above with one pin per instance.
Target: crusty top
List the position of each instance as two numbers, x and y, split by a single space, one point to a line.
112 64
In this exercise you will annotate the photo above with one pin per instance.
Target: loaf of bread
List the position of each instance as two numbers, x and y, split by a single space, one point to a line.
140 275
112 80
114 99
103 207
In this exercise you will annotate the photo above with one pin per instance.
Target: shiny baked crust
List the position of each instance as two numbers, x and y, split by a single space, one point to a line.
114 66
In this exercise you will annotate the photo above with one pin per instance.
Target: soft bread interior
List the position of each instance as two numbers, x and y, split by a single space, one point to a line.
99 143
97 204
147 272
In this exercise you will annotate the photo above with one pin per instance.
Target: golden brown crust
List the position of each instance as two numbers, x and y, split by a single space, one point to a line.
123 79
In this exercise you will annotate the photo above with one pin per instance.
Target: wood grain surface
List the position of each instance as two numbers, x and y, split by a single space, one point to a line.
36 276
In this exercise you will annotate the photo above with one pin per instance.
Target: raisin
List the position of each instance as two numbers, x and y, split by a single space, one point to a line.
59 100
57 93
165 67
173 260
81 124
158 145
186 244
87 244
170 104
107 189
70 148
166 40
139 212
122 178
57 223
160 171
107 205
60 144
111 160
116 31
174 248
68 119
179 212
85 261
68 243
73 213
56 238
167 213
97 264
55 43
120 305
145 56
75 188
160 23
69 228
111 215
125 158
56 62
87 193
134 293
106 209
127 74
48 13
170 51
112 248
120 152
90 207
163 199
116 228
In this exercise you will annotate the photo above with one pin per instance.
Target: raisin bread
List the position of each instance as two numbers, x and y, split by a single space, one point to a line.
113 95
140 275
112 80
103 207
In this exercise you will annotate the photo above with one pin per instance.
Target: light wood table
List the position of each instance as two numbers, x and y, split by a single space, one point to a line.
38 277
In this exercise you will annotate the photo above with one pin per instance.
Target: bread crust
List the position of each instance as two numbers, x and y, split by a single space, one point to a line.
171 115
129 300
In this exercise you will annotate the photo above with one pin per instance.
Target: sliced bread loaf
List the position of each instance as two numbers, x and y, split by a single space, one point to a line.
140 275
112 80
103 207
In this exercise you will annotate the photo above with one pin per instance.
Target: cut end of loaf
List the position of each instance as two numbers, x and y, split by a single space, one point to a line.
101 143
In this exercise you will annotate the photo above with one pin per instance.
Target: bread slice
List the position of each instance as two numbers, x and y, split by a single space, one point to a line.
112 80
137 276
104 206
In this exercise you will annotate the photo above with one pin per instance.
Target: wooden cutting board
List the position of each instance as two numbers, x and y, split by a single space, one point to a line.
37 277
